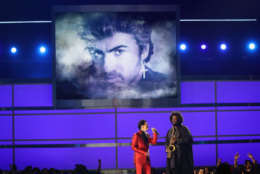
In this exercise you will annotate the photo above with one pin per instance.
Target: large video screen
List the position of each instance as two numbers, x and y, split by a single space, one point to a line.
125 54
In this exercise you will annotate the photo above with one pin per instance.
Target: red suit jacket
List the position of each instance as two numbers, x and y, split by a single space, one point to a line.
141 148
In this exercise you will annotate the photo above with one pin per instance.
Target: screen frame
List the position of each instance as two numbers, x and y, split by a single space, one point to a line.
117 103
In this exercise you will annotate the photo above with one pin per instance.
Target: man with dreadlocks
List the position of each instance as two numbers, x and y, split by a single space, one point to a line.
179 147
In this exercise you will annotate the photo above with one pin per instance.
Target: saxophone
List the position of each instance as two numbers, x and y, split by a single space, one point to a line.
171 147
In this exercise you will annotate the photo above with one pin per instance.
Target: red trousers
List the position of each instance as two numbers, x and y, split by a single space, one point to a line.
143 168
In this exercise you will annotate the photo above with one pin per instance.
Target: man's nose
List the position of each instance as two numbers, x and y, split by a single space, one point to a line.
109 63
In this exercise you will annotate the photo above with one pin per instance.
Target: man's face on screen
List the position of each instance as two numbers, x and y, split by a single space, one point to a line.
119 58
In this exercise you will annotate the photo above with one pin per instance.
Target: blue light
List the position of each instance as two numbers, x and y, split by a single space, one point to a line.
183 47
42 50
13 50
251 46
203 46
223 46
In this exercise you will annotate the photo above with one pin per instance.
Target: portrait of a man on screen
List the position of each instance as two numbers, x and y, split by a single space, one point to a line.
115 55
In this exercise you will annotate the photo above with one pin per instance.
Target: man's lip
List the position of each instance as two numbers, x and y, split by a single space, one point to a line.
114 80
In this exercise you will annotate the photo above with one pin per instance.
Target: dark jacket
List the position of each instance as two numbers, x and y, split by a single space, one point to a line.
182 158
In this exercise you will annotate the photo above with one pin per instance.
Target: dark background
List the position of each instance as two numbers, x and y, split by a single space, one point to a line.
235 63
41 9
222 115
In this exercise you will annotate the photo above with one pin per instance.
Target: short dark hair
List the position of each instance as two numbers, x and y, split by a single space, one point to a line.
141 123
101 26
178 115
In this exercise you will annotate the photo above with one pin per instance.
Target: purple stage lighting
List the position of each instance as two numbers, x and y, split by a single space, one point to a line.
183 47
223 46
251 46
13 50
203 46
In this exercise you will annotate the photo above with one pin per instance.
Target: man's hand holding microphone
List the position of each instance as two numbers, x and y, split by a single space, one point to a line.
155 131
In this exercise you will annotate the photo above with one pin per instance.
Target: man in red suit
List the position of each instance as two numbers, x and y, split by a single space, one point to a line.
140 145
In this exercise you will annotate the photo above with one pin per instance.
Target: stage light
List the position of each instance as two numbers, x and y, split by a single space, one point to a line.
223 46
183 47
13 50
42 50
251 46
203 46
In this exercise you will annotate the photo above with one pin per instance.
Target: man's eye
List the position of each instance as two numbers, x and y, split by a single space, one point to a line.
91 51
96 54
118 52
